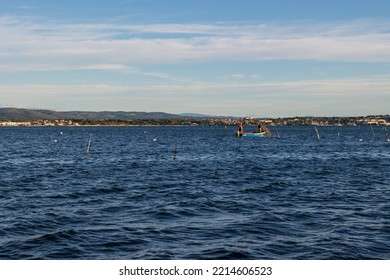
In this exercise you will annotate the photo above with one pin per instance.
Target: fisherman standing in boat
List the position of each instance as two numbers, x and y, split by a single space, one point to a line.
260 127
240 130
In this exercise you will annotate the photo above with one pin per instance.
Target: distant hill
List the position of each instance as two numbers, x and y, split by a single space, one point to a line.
194 115
16 114
202 116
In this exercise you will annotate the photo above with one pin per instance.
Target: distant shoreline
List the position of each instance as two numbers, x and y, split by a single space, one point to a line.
29 117
383 120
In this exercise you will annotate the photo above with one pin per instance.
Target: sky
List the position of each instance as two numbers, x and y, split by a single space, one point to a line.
254 58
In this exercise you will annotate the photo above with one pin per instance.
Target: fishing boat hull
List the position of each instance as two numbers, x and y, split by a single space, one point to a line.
254 134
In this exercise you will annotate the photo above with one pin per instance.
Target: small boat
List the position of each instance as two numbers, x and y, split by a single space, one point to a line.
262 131
254 134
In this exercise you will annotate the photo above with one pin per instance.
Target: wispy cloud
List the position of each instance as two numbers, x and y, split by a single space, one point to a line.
21 7
31 43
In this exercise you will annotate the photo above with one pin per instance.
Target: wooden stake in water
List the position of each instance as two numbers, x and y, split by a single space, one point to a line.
318 133
175 151
372 130
89 145
386 135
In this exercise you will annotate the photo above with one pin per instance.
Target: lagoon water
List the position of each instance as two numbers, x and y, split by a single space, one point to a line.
292 197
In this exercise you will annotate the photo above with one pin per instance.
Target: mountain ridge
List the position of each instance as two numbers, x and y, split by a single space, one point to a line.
21 114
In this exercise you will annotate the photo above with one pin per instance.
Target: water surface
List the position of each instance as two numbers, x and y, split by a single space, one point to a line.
292 197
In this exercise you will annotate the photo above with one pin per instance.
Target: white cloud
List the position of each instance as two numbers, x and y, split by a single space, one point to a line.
329 88
30 43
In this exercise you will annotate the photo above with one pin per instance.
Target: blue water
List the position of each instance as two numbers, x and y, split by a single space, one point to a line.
292 197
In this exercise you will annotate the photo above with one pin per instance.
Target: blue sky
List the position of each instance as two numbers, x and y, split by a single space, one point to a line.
245 58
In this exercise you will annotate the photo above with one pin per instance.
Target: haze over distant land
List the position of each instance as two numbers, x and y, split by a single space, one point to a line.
231 58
